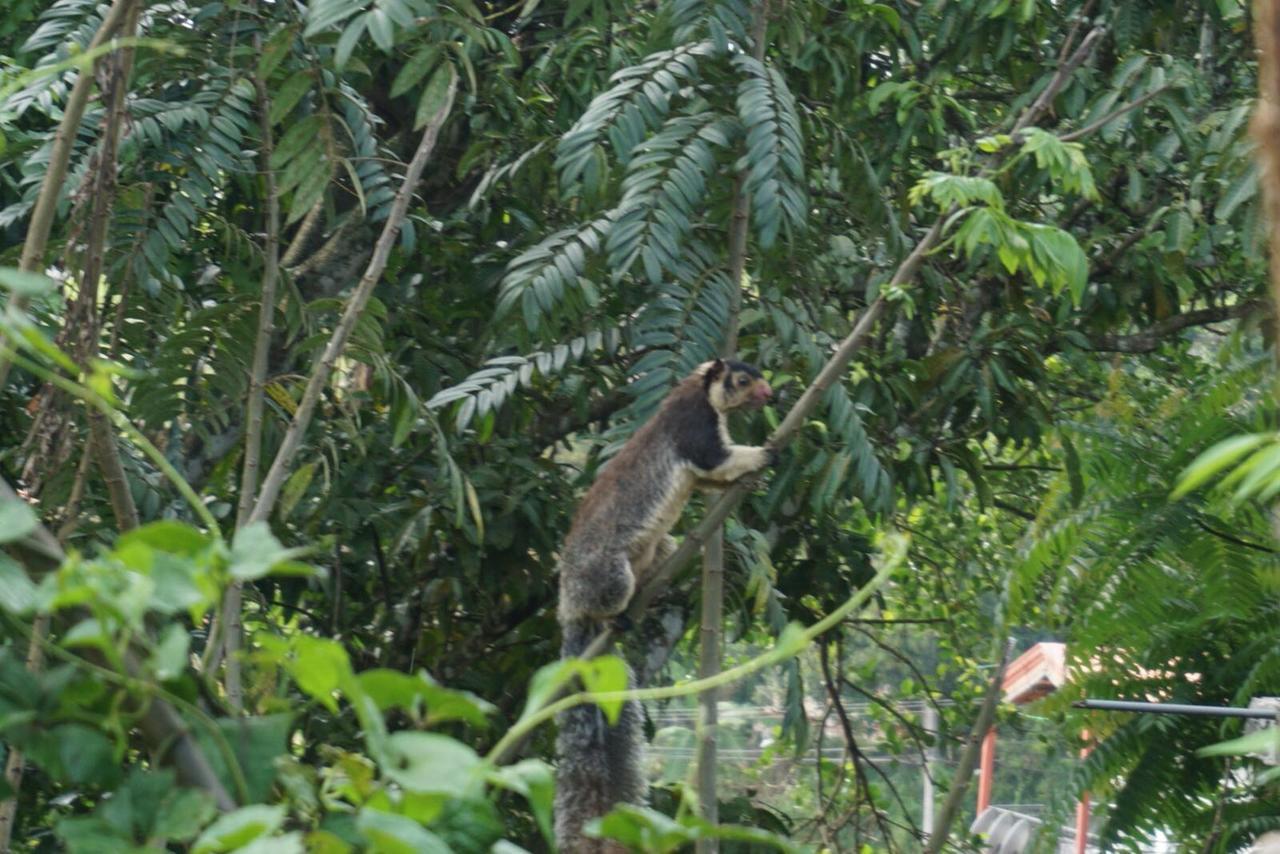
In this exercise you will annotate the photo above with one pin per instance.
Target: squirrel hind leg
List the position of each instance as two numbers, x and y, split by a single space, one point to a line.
600 591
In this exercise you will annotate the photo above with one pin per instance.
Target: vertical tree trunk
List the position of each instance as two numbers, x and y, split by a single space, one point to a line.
713 552
233 601
1266 129
964 771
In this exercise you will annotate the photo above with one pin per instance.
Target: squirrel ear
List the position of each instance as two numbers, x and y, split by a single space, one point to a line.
715 369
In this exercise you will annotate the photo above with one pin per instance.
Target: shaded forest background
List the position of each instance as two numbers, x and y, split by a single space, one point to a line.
305 567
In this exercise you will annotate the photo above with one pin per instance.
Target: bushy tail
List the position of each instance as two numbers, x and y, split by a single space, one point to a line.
598 765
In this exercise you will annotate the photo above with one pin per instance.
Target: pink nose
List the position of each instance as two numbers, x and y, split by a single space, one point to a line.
763 392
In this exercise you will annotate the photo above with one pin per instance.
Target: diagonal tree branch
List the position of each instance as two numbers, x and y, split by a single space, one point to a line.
1149 340
355 306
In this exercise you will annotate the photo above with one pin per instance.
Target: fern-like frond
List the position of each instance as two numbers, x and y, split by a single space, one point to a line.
774 157
720 21
487 389
546 276
637 102
663 193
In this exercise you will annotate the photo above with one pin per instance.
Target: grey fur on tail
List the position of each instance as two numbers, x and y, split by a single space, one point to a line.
600 764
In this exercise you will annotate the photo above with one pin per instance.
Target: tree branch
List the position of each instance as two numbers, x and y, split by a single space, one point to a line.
355 307
1112 116
1150 339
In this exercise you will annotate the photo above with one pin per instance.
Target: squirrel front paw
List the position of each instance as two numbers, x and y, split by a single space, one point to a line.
771 456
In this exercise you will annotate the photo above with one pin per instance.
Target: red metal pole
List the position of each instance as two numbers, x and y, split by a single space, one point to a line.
986 770
1082 808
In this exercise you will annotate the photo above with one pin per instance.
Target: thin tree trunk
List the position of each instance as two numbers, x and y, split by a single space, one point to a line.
103 440
37 237
1266 130
713 553
355 306
232 603
964 771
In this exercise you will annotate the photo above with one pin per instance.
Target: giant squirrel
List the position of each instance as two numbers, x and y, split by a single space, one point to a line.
620 532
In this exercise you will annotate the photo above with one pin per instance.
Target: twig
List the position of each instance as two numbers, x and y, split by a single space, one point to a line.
1059 79
355 307
103 440
856 754
1149 339
1112 116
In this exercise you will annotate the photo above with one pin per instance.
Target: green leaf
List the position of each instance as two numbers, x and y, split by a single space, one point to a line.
320 667
17 592
1266 740
169 660
255 552
284 843
415 69
604 674
17 519
391 689
296 487
177 538
24 283
430 762
322 14
239 828
437 96
256 743
87 756
534 779
546 682
288 95
275 50
1217 458
395 834
182 814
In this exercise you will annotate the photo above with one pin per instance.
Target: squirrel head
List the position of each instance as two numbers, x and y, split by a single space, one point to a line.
730 385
